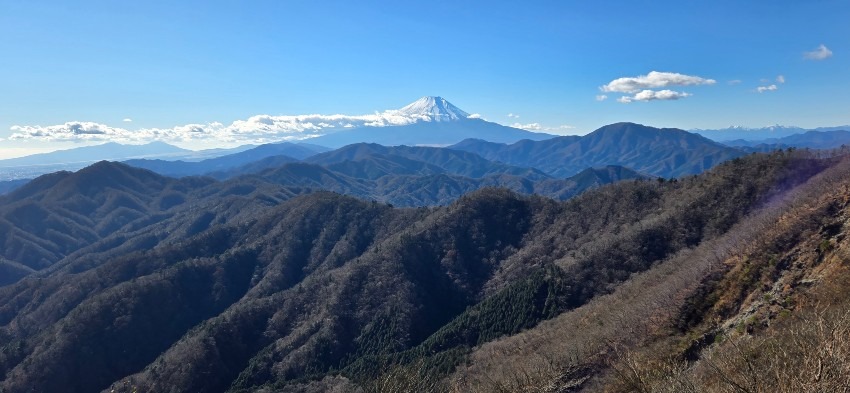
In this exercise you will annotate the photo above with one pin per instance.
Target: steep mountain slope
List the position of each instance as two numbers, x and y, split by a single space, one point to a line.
57 215
761 308
11 185
326 291
54 215
663 152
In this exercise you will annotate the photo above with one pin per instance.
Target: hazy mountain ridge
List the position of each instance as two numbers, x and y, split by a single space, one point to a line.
759 133
89 154
659 152
73 159
450 161
293 152
810 139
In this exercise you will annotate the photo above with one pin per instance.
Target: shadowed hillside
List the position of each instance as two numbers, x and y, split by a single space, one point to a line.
247 288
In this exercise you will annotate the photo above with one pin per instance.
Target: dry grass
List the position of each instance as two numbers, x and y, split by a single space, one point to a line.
621 335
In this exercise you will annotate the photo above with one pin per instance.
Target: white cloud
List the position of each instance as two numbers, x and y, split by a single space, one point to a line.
528 127
474 116
653 80
762 89
255 129
540 127
734 82
601 97
652 95
127 120
780 79
513 116
70 131
821 53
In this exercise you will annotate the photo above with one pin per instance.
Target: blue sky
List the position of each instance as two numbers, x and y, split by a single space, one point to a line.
166 64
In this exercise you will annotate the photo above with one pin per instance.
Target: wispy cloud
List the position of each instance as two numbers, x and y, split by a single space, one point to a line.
762 89
653 80
256 129
474 116
821 53
780 79
540 127
601 97
653 95
529 126
127 120
513 116
734 82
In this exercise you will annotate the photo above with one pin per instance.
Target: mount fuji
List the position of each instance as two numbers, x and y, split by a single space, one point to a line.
436 108
438 122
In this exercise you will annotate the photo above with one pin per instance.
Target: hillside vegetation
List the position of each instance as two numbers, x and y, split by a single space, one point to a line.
763 307
242 286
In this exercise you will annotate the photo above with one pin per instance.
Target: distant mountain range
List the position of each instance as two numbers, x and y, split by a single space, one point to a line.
285 152
437 122
34 165
106 151
469 165
762 133
809 139
653 151
434 121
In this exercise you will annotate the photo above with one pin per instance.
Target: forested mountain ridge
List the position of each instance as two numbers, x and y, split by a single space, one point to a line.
62 213
269 290
664 152
450 161
763 307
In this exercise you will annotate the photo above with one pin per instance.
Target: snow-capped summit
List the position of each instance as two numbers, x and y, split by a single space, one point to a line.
437 108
